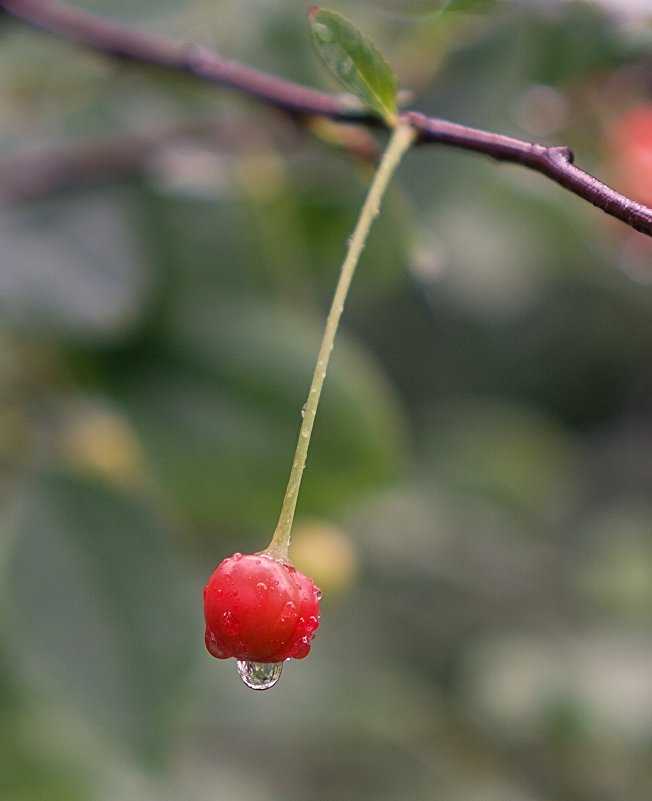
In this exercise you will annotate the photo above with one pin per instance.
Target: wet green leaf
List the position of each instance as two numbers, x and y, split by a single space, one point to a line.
355 62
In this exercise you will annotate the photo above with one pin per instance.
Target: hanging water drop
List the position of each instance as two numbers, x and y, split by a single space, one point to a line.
259 675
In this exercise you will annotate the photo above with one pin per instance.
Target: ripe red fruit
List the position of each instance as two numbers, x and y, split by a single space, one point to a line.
259 610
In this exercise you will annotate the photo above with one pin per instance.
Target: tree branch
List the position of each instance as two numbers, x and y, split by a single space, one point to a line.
120 41
554 162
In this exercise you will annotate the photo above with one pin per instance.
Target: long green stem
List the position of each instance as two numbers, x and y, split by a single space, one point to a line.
402 137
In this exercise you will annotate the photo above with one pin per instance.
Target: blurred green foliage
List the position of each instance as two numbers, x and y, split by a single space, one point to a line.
485 440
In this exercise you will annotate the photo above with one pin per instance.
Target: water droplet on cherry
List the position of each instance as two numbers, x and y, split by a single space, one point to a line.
301 647
231 625
287 611
214 646
259 675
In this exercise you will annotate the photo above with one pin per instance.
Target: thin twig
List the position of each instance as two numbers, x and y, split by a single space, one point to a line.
120 41
554 162
123 42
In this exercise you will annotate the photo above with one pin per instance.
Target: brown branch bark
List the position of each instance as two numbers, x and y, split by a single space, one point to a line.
553 162
120 41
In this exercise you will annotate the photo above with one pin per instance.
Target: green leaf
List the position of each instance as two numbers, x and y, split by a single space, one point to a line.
219 421
97 609
355 62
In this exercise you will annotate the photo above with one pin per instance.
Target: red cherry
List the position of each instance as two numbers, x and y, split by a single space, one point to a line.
260 610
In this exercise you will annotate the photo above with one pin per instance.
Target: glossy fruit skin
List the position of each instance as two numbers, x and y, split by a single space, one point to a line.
259 609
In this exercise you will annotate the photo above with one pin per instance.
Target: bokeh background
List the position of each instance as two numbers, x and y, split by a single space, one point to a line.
478 500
